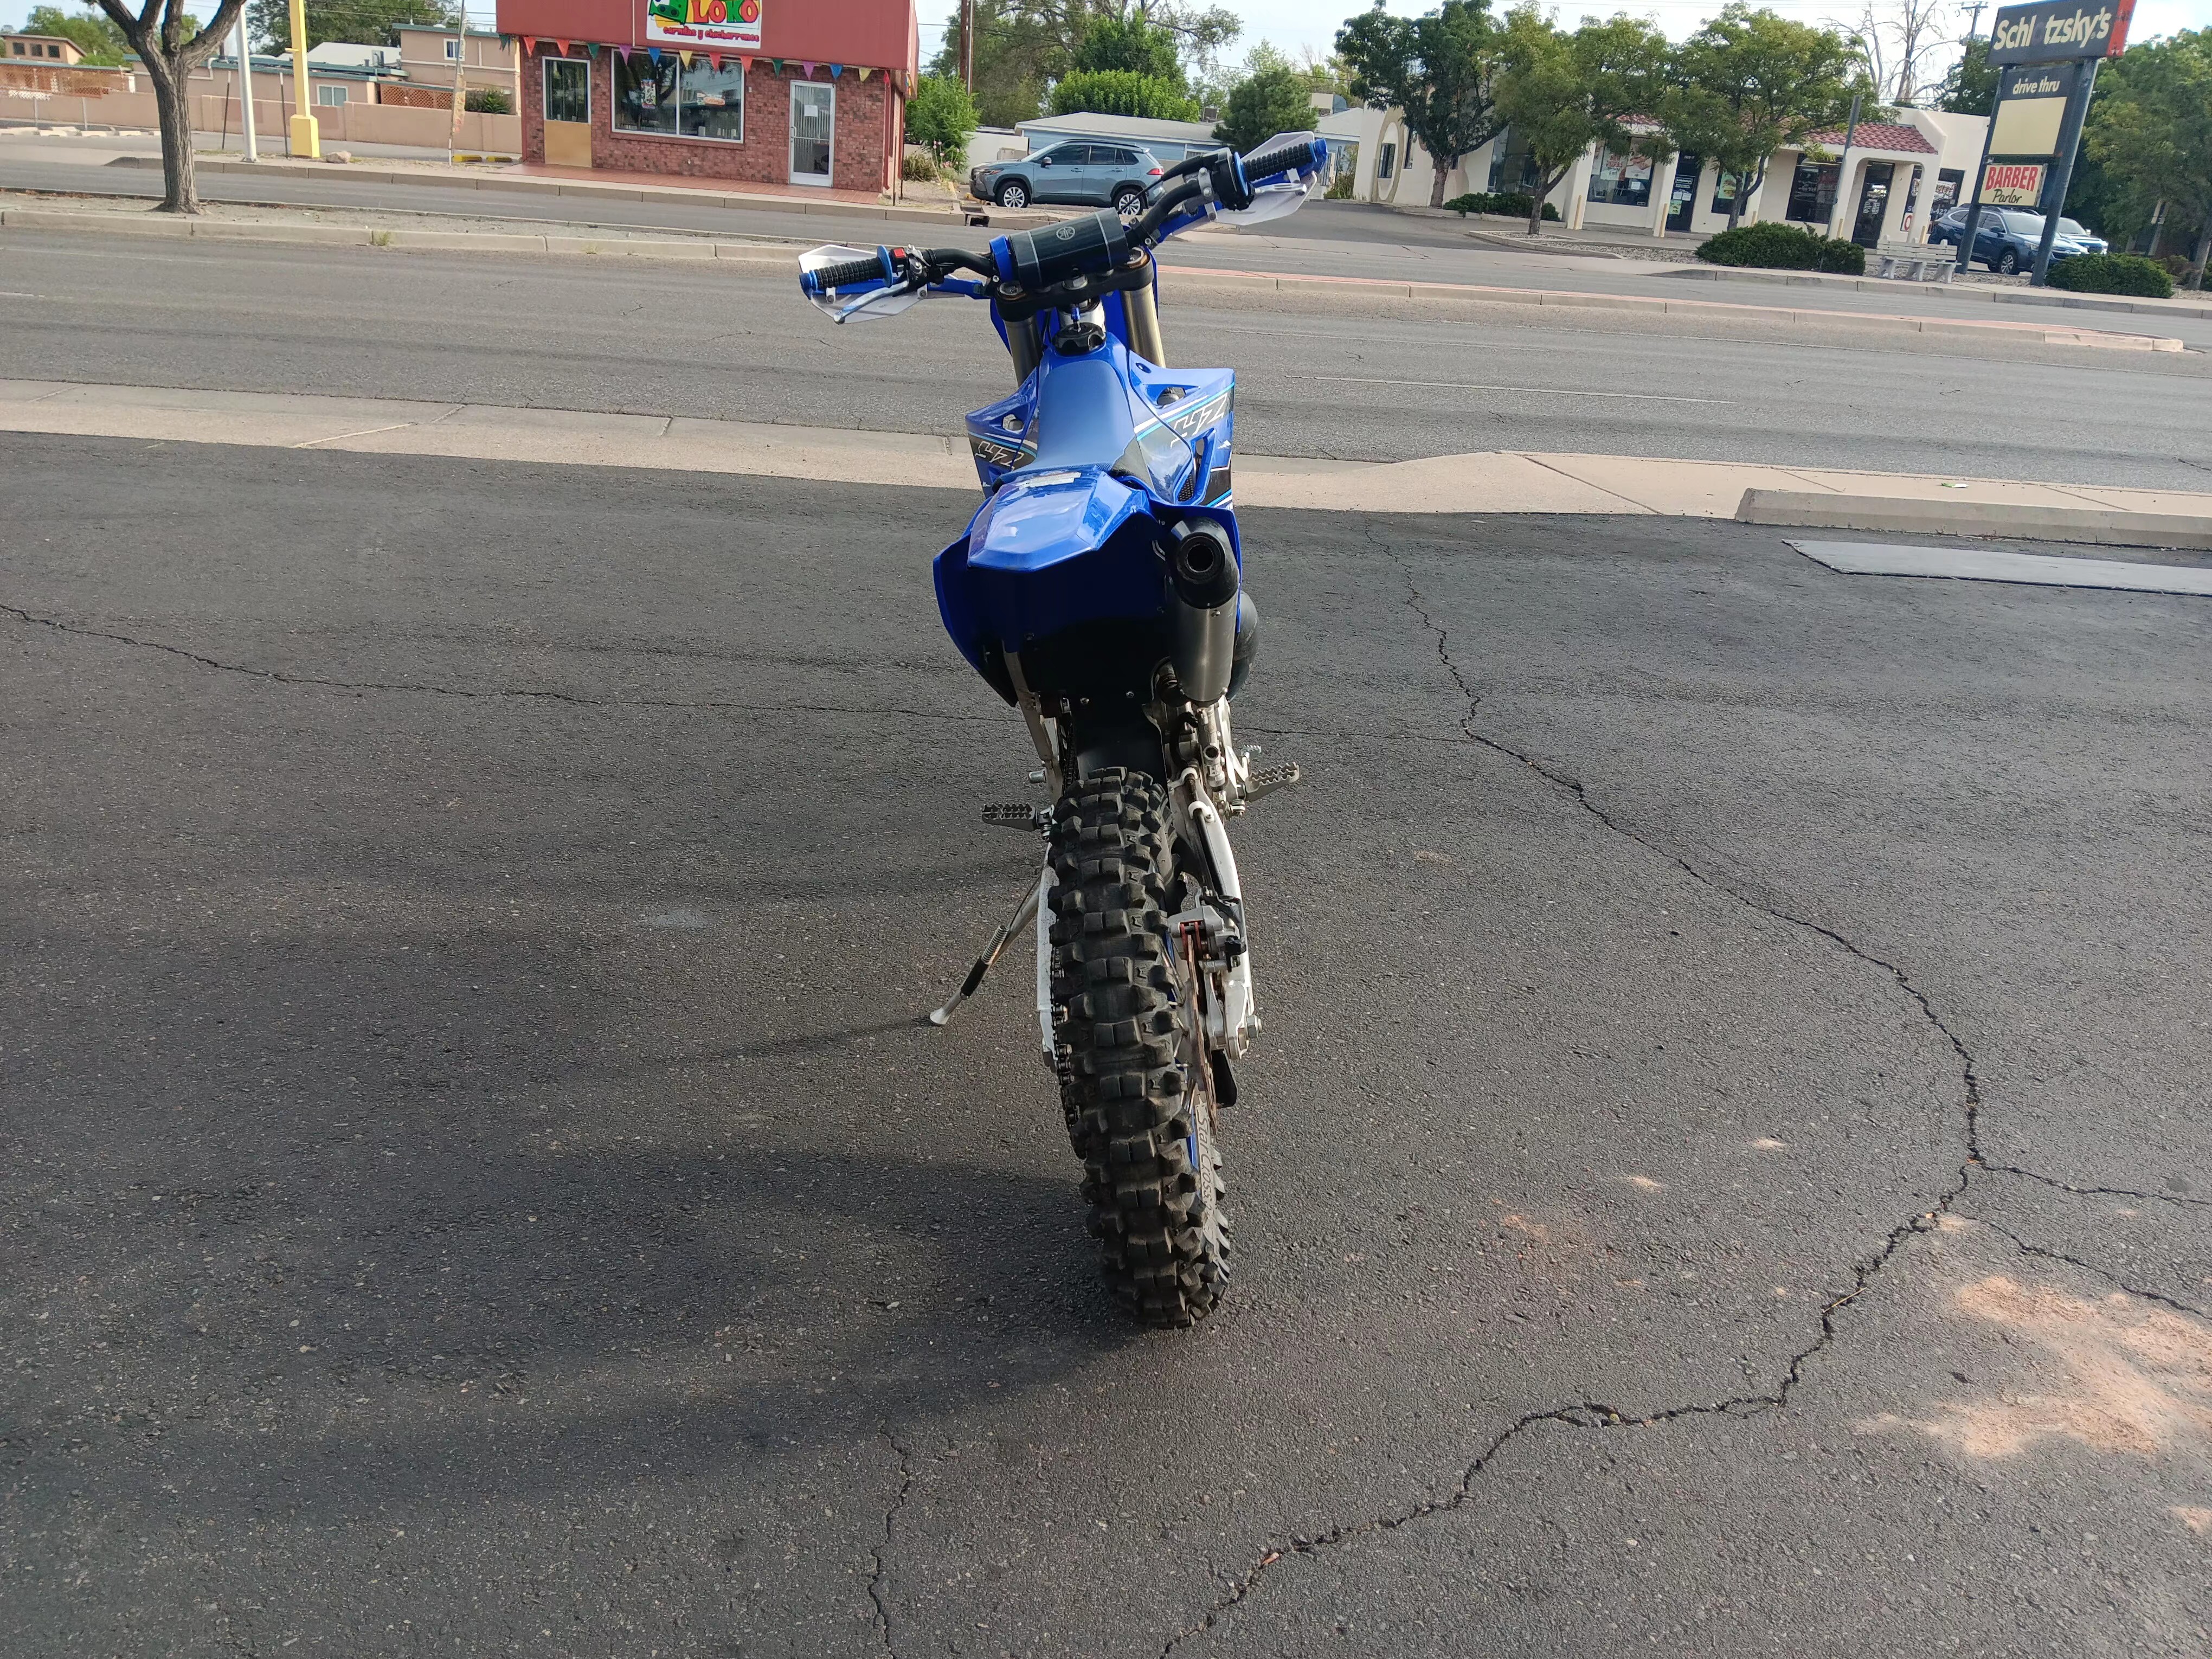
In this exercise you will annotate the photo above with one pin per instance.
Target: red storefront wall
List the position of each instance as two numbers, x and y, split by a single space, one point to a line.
878 35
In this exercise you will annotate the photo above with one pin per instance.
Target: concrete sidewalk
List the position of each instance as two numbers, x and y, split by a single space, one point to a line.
1479 483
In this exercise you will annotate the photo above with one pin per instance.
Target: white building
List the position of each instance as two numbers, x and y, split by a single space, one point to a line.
1897 178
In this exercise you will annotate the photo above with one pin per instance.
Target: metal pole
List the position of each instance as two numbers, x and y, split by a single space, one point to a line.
2054 189
1981 172
968 45
306 134
246 90
1843 167
460 91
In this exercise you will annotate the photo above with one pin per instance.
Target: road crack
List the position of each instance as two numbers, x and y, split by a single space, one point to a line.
2091 1268
489 694
876 1580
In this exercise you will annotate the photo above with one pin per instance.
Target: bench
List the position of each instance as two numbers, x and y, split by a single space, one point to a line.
1915 262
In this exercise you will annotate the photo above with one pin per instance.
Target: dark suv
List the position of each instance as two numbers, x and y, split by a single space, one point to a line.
2006 238
1082 172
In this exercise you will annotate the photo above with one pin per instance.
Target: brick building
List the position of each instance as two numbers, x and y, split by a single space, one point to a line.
797 92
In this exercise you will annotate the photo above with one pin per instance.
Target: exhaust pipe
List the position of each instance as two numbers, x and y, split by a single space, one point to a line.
1202 571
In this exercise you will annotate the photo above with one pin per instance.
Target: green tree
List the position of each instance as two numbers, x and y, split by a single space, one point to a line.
1276 99
93 33
1749 83
1971 88
1023 47
1562 93
941 117
1134 44
357 22
2150 128
1440 71
1122 92
172 45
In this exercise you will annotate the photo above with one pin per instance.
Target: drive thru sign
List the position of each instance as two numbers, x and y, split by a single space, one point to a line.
2013 184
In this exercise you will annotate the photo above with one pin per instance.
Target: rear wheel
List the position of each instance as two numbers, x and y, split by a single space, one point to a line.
1013 194
1135 1072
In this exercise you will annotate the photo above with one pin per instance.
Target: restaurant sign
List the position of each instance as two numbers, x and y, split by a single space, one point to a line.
2012 183
2061 30
704 25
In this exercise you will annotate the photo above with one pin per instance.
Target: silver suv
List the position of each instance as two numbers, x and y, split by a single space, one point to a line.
1080 172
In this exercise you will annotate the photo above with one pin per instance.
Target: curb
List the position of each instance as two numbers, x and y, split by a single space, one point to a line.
1202 279
1994 294
527 186
2096 527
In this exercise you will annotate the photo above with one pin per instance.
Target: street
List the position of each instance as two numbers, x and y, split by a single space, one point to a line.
1724 1171
673 339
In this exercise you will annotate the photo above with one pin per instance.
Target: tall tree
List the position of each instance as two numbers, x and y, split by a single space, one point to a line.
1898 43
1278 99
1440 70
171 46
1971 88
2151 128
1122 92
357 22
1134 44
1561 92
1749 83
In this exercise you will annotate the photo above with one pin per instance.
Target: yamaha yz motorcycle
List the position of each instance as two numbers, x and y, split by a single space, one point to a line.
1098 589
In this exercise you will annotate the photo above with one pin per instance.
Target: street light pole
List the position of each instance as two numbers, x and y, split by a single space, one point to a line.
1843 167
246 90
460 91
306 134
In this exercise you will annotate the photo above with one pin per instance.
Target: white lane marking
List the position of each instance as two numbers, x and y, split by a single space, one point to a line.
1986 565
1546 391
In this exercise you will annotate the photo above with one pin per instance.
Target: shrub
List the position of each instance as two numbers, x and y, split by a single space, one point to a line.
1122 92
1782 247
1513 204
941 117
1339 188
920 169
484 100
1276 99
2112 273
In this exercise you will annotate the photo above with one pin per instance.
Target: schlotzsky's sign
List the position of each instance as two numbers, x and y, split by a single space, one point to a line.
2012 183
704 25
2061 30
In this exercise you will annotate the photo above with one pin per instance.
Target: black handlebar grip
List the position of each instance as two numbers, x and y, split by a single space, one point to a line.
826 277
1288 158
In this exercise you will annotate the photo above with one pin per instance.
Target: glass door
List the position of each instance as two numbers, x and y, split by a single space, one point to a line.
1682 201
813 121
1873 203
568 112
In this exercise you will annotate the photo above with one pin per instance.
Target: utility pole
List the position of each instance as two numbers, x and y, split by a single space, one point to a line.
1843 167
306 134
1974 21
968 45
246 90
460 90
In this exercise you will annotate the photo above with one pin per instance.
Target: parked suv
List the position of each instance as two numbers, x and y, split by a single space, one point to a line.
2006 239
1083 172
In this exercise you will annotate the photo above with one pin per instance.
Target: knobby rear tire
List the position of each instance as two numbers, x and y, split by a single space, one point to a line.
1128 1054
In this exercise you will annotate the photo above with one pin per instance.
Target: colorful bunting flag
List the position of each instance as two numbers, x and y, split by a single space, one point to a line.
591 52
654 53
714 62
529 46
863 73
837 70
809 67
563 44
686 57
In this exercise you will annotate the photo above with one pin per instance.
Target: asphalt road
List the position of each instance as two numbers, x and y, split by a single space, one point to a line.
1725 1171
673 339
1337 239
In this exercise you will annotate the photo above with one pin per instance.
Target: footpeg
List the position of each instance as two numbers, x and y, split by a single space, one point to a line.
1269 779
1019 814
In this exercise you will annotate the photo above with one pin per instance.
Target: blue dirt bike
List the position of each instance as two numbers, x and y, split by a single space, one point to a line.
1099 590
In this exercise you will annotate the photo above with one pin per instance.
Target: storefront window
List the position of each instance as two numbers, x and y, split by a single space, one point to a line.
1813 192
1385 159
710 103
1621 180
645 93
1724 189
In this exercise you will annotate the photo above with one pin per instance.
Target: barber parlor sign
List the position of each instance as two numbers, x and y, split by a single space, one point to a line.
704 25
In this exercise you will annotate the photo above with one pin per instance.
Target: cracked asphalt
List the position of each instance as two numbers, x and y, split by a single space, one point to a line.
1726 1171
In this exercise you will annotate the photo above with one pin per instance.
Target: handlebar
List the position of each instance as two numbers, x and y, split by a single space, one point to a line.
1306 153
851 274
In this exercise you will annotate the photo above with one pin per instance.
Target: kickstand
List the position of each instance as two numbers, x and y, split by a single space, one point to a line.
1026 910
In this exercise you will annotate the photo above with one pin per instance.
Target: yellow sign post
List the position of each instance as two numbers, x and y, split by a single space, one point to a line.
307 131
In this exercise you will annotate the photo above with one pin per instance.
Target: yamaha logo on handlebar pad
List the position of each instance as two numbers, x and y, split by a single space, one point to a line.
1089 247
